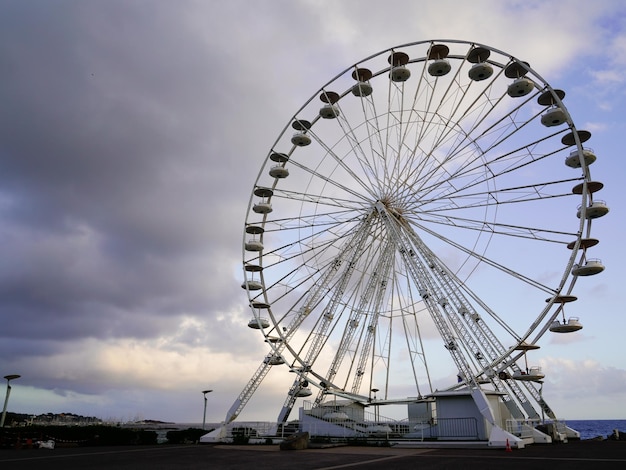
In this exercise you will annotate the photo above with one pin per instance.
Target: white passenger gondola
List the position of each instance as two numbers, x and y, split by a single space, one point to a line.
595 210
399 72
251 284
569 326
533 374
303 392
363 87
258 323
520 87
279 171
440 65
329 111
254 245
301 138
274 360
481 70
591 267
555 116
262 208
573 159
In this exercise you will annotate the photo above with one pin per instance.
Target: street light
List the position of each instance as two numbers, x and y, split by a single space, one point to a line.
6 398
374 390
204 392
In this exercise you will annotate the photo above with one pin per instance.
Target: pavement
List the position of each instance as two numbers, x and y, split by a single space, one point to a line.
573 455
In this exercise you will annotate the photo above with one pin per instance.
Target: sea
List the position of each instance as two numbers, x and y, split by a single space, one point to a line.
592 428
588 428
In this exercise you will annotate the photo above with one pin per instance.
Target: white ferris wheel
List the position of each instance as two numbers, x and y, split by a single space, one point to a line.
427 209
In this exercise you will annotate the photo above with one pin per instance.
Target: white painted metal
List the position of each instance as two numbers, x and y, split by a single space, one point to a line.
410 195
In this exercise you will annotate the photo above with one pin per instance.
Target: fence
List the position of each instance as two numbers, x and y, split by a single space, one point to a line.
521 427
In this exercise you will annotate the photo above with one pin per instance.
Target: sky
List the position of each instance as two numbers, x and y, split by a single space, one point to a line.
131 134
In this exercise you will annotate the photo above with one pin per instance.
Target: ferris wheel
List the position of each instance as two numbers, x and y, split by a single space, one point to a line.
428 209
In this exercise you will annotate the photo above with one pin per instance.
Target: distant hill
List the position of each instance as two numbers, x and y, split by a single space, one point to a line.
66 419
21 419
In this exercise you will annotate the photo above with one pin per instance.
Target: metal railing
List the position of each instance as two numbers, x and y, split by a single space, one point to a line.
383 428
446 428
365 424
521 427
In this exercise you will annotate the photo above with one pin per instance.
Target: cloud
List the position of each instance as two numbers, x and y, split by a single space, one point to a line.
131 134
583 389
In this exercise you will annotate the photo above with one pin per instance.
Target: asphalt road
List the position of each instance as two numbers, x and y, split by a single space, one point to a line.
580 455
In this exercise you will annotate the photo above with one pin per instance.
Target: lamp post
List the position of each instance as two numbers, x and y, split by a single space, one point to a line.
204 392
543 417
374 390
6 398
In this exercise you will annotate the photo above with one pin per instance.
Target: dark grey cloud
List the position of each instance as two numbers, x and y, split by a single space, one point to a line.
131 133
119 195
130 137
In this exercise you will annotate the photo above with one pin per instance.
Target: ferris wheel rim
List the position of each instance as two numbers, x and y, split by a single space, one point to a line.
308 125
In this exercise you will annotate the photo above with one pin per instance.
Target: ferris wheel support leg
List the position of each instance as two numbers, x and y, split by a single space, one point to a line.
284 414
217 435
498 437
233 412
289 402
483 405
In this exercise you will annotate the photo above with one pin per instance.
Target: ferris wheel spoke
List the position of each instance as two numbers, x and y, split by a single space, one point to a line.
342 203
375 156
500 267
366 159
297 265
476 162
314 342
479 109
413 336
356 326
472 177
540 234
502 128
446 129
354 176
500 195
441 207
325 280
314 223
451 99
334 181
518 200
470 333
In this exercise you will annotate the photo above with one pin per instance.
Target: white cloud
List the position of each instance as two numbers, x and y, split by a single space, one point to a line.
131 140
584 389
